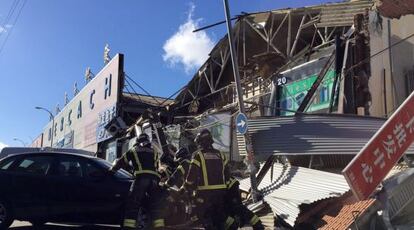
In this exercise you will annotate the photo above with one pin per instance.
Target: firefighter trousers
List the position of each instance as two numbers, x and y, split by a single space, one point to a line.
142 193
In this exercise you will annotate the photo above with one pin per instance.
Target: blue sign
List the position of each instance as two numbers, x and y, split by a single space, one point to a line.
241 123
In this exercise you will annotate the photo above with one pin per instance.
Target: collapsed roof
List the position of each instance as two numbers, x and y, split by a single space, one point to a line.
267 43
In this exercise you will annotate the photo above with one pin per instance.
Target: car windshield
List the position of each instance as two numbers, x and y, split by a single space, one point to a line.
123 174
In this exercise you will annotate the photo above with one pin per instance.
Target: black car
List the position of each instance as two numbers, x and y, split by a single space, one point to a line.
62 188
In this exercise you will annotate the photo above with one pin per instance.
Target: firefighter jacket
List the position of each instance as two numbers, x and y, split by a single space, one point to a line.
178 176
231 182
143 159
208 171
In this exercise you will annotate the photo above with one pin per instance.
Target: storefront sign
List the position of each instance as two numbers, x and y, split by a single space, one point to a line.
82 114
366 171
104 118
293 93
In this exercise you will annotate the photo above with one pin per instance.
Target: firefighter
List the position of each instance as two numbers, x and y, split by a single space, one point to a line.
239 215
144 163
182 159
206 182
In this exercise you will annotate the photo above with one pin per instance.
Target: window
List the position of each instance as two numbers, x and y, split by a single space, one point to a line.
35 165
5 164
93 172
69 167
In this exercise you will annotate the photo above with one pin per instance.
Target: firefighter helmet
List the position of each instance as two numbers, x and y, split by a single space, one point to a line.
204 139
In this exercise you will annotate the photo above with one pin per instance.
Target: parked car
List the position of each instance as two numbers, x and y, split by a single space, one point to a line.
18 150
42 187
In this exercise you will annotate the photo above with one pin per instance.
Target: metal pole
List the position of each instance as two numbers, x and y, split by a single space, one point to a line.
248 144
19 140
53 122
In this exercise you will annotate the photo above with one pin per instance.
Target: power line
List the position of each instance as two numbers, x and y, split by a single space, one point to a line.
377 53
155 99
172 95
10 13
14 24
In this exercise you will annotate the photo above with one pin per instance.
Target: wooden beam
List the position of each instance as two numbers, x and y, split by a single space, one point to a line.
264 38
278 28
222 69
289 35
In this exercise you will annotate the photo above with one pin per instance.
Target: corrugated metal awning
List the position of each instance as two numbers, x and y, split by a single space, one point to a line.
286 187
342 14
325 134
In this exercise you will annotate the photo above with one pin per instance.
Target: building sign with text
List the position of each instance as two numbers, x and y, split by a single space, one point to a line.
78 124
366 171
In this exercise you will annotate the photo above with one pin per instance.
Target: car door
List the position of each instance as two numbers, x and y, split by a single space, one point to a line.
31 186
104 193
67 178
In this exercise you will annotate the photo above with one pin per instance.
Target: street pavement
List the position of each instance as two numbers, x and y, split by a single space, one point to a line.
19 225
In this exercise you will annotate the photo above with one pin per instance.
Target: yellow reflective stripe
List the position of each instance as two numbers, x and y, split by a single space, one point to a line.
146 171
229 222
181 169
231 182
204 169
137 159
254 220
155 159
158 223
130 223
211 187
125 159
196 162
225 160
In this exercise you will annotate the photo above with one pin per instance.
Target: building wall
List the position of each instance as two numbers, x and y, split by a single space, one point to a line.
402 61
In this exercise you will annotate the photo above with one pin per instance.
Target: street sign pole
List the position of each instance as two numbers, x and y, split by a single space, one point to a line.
248 144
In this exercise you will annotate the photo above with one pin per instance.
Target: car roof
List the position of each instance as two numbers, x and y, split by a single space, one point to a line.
51 153
22 150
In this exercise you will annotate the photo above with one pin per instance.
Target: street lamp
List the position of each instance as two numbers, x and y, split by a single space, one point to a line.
19 140
53 122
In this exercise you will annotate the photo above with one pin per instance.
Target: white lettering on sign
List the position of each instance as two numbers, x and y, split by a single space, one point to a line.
400 134
389 146
410 124
367 173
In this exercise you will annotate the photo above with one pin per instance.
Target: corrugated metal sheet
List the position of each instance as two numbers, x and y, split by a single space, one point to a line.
311 134
400 191
292 186
342 14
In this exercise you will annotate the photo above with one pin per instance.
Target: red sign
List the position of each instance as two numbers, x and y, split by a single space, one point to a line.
366 171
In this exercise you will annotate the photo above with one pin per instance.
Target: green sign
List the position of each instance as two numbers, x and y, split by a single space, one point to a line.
292 94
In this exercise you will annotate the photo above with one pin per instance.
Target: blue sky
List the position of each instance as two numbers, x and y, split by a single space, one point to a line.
53 42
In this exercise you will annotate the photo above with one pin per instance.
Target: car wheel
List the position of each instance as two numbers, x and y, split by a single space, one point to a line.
6 216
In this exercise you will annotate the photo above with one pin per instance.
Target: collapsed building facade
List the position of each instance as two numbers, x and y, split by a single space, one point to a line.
313 79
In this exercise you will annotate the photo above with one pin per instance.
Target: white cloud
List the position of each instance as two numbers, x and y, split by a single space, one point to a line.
187 48
2 145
